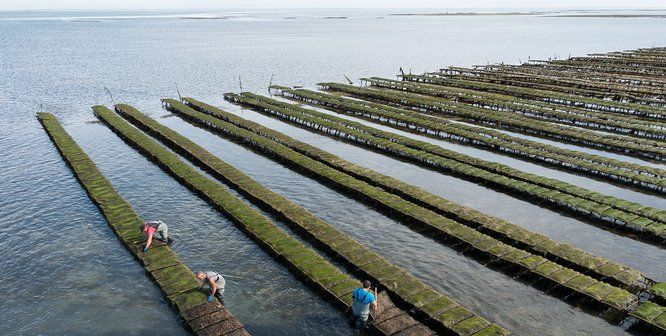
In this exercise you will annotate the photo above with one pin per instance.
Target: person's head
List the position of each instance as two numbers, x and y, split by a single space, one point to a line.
201 275
367 284
143 227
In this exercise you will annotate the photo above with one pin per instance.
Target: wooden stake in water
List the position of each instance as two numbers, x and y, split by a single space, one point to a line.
110 95
178 91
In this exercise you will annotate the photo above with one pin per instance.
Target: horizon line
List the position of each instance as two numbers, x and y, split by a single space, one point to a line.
376 8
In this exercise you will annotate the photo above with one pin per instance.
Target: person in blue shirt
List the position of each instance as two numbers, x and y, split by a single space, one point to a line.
362 300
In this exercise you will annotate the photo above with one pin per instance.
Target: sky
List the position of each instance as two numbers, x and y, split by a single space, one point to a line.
212 4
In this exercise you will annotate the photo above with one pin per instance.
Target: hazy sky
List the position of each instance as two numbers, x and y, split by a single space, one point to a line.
201 4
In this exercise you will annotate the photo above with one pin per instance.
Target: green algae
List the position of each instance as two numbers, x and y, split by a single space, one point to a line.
563 276
470 326
454 316
547 268
492 330
598 290
580 283
439 306
659 290
648 311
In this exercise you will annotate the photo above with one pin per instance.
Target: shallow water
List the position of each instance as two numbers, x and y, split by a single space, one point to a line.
64 272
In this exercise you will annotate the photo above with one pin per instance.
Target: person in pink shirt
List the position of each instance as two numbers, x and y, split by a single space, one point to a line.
150 227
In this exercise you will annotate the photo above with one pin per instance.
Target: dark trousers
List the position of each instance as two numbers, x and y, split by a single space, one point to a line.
359 323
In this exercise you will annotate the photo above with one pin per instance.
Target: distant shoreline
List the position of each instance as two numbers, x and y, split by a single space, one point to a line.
543 14
203 17
466 14
662 16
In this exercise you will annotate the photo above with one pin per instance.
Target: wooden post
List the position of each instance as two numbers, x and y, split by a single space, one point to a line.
178 91
110 95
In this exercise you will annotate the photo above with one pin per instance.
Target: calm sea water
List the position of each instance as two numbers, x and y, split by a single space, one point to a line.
64 271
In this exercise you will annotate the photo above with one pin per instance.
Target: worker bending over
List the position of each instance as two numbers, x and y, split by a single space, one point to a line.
215 282
150 227
362 300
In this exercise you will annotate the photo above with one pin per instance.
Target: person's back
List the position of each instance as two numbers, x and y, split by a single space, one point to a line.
362 300
217 278
215 282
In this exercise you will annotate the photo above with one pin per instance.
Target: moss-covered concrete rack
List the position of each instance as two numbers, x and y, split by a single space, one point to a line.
646 111
176 281
360 259
562 254
316 271
630 76
642 71
628 82
425 220
646 177
641 148
502 105
608 75
652 316
515 235
643 94
605 210
614 67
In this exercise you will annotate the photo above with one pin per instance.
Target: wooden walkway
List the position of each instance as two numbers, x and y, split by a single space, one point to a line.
391 320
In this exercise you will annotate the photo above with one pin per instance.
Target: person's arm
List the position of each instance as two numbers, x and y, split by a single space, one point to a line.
374 303
148 242
213 286
213 289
